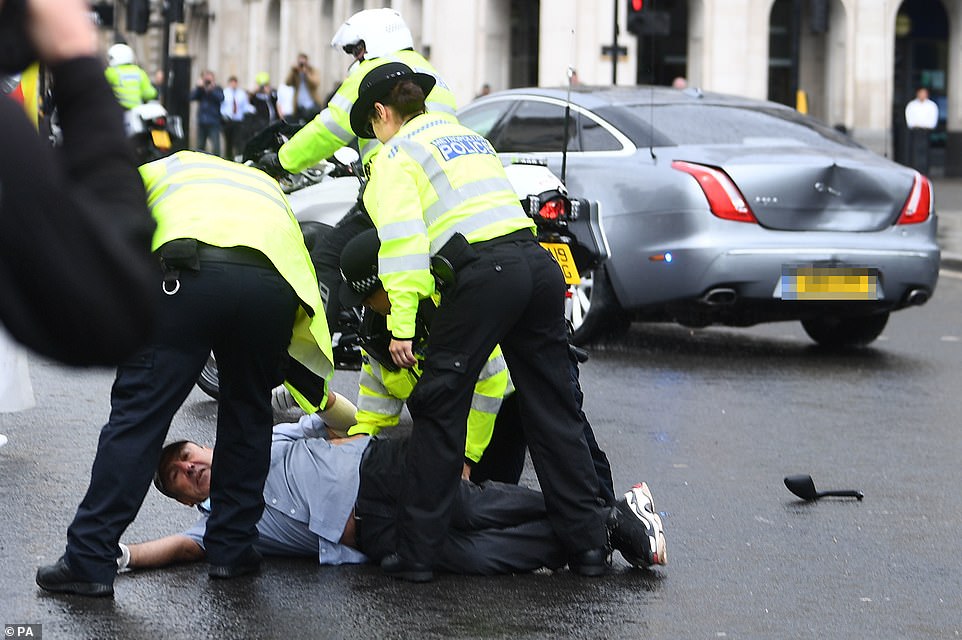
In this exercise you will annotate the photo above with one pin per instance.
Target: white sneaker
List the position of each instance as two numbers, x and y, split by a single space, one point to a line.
635 528
281 399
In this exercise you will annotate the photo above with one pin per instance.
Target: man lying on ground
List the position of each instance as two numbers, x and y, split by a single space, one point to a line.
336 499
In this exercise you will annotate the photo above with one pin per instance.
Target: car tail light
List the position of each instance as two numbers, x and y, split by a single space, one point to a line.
918 206
724 198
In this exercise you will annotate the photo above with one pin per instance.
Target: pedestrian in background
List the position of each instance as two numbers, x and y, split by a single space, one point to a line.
209 96
264 101
76 274
305 80
921 117
235 107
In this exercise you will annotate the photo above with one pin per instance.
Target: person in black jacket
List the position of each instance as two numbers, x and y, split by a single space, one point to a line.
75 232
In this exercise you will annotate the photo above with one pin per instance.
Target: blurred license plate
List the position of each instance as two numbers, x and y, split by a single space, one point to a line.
829 283
562 255
161 138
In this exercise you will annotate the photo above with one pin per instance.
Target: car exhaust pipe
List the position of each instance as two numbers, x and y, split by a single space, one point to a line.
720 297
917 297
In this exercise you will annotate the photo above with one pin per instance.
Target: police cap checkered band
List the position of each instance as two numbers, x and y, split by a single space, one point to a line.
359 268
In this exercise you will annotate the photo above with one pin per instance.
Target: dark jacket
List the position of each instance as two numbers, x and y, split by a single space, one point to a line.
208 104
77 278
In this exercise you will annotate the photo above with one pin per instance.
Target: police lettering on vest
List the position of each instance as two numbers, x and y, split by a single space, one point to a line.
456 146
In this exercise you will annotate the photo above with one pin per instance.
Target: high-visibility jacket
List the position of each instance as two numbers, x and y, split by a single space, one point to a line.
225 204
433 179
382 394
331 128
130 84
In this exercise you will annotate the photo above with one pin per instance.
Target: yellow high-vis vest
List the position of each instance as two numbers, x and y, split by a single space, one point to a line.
433 179
225 204
130 84
331 128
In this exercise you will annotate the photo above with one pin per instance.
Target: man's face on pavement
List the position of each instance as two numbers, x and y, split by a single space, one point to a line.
187 475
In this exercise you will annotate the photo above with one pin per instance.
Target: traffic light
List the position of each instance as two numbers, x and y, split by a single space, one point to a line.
647 22
138 15
636 17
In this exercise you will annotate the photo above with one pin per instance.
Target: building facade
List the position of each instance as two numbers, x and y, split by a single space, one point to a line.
850 63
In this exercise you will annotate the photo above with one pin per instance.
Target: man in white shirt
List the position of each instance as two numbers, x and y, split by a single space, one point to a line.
235 106
921 117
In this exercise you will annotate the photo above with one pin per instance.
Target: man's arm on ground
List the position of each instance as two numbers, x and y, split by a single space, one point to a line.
164 551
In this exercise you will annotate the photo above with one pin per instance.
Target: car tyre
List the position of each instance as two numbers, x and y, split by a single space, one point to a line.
845 331
592 310
208 380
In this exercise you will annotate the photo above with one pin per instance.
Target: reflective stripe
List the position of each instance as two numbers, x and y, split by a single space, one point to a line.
403 263
371 377
402 229
478 221
493 367
367 147
341 102
221 182
485 404
433 106
380 405
477 189
336 130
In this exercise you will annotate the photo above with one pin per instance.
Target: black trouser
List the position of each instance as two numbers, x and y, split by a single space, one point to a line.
495 527
244 314
919 145
232 138
512 294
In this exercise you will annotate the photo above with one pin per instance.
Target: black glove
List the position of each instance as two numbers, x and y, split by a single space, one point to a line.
270 164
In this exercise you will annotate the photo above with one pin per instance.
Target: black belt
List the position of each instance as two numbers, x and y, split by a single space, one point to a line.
233 255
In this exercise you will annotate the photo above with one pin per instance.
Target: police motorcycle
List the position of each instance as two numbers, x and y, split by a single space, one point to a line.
153 132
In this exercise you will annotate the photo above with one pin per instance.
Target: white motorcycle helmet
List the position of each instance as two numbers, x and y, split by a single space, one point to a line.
119 54
382 30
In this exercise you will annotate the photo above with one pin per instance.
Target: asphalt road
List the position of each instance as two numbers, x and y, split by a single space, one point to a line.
713 419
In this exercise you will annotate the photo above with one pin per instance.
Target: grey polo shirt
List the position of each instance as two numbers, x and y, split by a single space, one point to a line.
310 491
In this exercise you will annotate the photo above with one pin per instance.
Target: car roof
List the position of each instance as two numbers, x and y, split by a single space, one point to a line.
594 97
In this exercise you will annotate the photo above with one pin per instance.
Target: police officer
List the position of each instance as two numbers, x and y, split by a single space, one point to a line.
372 37
238 280
494 447
130 83
440 200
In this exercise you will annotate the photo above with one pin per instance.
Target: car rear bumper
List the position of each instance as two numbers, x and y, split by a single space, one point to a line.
746 264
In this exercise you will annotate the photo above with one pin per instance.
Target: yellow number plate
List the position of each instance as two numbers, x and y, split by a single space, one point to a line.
161 138
829 283
562 255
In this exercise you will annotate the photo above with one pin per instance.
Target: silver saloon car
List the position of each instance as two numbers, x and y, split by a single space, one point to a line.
722 209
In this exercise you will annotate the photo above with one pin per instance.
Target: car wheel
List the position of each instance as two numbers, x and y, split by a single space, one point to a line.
208 381
846 331
592 310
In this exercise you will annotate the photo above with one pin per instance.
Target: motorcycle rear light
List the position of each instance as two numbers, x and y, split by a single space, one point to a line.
918 206
555 209
724 198
160 122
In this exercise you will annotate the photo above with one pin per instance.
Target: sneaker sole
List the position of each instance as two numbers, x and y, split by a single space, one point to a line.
647 513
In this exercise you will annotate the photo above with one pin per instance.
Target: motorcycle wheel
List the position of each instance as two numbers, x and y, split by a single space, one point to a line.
208 381
592 310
